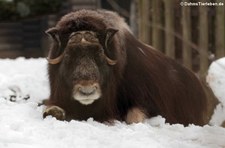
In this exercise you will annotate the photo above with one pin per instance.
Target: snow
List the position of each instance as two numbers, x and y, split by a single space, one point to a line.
216 80
24 83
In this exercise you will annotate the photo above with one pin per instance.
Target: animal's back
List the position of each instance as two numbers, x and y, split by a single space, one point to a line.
161 86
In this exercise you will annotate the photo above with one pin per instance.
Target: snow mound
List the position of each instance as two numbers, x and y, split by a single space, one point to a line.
216 80
23 84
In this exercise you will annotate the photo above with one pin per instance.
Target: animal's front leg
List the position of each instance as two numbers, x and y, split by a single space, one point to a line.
55 111
135 115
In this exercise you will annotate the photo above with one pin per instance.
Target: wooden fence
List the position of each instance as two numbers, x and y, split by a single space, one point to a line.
23 38
193 35
27 38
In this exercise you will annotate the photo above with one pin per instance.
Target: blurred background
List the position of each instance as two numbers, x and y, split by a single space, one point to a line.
192 35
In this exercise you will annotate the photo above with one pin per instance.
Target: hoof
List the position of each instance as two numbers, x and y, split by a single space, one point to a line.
135 115
56 112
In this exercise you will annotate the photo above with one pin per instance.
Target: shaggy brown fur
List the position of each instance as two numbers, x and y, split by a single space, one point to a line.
142 78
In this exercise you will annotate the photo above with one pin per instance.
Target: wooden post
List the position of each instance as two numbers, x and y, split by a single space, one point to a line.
169 28
157 40
134 17
144 29
203 39
186 29
220 31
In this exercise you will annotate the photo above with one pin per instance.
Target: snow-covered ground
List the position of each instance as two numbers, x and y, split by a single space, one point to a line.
23 84
216 80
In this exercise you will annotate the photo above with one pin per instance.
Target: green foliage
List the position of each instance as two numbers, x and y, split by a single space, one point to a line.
18 9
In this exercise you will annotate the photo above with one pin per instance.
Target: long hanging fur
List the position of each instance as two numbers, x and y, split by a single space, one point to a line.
142 78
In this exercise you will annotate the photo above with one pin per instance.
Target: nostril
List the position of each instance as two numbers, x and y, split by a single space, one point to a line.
87 90
86 94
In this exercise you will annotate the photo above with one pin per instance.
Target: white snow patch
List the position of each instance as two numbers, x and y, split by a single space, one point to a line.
216 80
22 125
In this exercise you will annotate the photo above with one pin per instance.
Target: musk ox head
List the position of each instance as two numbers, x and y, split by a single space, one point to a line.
86 63
83 59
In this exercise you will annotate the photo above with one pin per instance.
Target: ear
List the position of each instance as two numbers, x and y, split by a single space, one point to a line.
110 32
55 48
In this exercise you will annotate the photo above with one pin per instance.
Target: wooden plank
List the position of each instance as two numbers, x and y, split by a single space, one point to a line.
11 39
77 7
31 35
157 37
203 39
11 47
10 25
25 36
220 31
10 33
81 4
32 43
133 21
169 28
83 1
31 28
143 19
186 29
10 29
31 22
11 54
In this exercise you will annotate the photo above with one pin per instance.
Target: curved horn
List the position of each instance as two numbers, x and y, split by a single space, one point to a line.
110 32
53 32
55 60
110 61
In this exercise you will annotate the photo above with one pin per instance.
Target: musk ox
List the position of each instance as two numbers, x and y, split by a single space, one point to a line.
98 69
